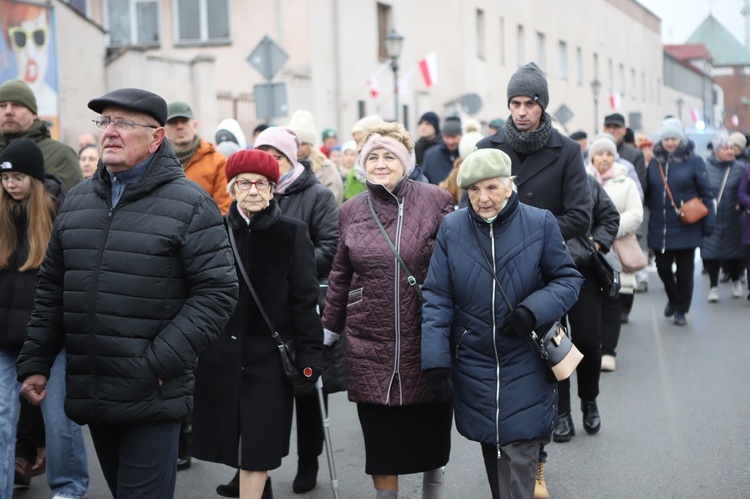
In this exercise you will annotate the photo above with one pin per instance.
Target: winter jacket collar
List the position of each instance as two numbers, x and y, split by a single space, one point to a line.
164 169
38 131
536 162
680 155
260 221
306 180
505 214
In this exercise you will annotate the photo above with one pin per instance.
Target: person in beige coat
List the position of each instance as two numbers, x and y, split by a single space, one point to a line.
623 191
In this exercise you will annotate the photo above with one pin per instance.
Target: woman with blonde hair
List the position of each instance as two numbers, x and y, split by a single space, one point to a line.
28 204
386 237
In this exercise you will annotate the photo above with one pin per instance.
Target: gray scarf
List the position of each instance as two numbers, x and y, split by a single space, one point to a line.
528 142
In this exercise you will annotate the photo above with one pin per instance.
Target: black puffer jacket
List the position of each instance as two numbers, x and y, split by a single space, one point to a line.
313 203
147 284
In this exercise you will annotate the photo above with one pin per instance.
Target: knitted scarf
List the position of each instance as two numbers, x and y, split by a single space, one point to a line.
683 152
184 155
528 142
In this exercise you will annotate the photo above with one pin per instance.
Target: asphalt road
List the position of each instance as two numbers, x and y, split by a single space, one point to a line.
674 422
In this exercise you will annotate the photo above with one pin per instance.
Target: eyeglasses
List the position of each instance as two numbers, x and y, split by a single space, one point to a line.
102 124
261 185
19 36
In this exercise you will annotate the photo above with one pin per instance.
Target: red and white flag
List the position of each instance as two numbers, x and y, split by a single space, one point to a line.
615 100
695 114
428 68
373 87
735 121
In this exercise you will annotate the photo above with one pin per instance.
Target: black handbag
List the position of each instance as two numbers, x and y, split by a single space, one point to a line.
286 350
607 268
554 347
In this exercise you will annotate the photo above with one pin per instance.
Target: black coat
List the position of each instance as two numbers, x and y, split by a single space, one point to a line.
422 145
278 257
17 289
438 163
605 222
313 203
553 178
146 285
634 156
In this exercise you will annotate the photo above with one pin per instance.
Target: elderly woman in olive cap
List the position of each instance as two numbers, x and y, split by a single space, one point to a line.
473 343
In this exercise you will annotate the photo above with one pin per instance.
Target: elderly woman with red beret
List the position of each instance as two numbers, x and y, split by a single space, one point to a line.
246 423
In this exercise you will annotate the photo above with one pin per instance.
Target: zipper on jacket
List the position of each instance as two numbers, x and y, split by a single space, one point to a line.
396 375
664 211
460 340
494 345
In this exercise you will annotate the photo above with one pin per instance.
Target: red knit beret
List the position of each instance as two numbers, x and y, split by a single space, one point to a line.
253 161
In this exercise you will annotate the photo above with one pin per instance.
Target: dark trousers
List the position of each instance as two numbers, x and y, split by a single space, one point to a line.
679 284
612 310
732 267
30 433
513 476
309 426
138 461
585 320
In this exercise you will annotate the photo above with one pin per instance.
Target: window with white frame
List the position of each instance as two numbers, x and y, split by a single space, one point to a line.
133 22
201 21
562 60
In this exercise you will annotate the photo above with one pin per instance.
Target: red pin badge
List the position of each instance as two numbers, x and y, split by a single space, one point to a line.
307 372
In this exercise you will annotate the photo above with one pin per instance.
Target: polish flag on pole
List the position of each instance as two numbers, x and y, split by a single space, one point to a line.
695 114
373 87
428 68
615 100
403 82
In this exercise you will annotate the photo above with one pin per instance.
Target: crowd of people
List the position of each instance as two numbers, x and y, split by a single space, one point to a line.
410 273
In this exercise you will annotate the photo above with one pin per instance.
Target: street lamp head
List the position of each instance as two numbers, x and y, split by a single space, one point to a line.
393 43
596 86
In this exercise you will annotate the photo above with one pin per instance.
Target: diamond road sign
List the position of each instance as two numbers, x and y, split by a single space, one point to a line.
268 57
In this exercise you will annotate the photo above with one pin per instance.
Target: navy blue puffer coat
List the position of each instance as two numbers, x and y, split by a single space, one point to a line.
502 391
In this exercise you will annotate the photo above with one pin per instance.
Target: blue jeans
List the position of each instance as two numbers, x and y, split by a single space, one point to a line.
138 461
67 465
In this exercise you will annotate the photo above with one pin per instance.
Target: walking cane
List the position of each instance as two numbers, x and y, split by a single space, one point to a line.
327 437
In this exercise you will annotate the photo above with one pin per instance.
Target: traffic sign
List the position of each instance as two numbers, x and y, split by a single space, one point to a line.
267 57
270 100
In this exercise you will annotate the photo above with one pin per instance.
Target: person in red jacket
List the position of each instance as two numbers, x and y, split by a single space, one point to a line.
406 428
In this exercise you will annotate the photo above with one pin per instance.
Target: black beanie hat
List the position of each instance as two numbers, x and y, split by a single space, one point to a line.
23 156
431 118
530 81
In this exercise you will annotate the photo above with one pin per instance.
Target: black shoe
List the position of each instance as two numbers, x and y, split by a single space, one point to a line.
669 310
624 318
307 475
183 462
232 489
592 422
565 430
680 319
267 490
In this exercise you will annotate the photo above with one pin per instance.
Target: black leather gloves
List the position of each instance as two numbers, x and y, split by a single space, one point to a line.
520 323
439 382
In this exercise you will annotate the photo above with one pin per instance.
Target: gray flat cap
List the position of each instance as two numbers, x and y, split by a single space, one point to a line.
135 99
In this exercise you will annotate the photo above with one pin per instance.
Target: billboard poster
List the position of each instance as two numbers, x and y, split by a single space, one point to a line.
28 52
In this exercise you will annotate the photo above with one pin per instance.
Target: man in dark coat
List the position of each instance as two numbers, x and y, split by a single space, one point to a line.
142 259
547 166
438 160
428 130
614 124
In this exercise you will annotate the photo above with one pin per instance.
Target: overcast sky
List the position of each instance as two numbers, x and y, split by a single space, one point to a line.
679 18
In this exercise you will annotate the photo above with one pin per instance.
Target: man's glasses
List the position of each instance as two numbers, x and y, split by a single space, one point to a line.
102 124
245 185
19 36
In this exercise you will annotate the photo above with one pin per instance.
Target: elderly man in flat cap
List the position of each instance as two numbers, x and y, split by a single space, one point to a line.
137 279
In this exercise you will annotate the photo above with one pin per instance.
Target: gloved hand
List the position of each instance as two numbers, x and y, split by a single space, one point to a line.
520 323
310 374
439 382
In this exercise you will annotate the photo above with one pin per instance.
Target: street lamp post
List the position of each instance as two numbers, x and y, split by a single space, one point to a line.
680 103
393 44
596 86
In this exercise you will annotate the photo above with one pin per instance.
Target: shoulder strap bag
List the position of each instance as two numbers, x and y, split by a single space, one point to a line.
689 212
412 280
286 350
554 347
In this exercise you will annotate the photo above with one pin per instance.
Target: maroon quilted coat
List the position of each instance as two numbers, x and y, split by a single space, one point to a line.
368 292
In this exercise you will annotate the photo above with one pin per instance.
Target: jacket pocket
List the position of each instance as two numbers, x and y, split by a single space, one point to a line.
355 296
460 340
